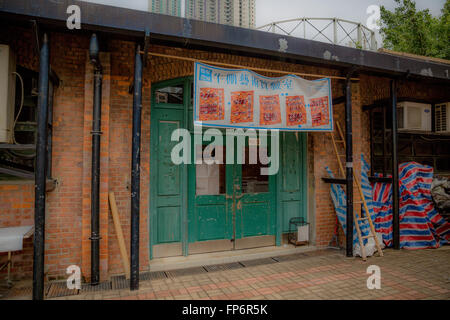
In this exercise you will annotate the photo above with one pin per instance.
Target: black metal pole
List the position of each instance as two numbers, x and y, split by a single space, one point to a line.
135 171
95 169
395 200
349 165
40 173
51 89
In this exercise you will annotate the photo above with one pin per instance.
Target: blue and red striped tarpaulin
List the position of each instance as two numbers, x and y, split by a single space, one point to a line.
421 226
339 200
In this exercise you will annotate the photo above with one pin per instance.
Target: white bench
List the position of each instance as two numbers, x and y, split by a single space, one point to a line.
11 239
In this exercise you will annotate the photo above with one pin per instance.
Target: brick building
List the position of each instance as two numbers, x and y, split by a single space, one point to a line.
68 198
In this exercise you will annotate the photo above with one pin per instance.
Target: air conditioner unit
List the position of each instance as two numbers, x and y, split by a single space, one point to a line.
442 117
7 93
414 116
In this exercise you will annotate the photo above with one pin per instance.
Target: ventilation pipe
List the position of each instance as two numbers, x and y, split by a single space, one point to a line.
95 170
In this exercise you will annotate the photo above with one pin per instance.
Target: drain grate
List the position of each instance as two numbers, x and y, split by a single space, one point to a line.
222 267
59 289
103 286
290 257
317 253
119 282
258 262
17 292
155 275
185 272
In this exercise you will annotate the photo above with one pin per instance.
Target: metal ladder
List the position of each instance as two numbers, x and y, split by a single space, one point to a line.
356 216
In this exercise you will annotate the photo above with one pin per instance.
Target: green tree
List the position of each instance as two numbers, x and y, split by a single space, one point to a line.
408 30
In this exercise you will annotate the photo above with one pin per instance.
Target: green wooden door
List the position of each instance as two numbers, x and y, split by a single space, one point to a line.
291 180
210 215
168 181
255 209
231 206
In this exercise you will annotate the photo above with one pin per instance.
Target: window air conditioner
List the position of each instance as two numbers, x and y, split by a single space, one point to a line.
414 116
442 117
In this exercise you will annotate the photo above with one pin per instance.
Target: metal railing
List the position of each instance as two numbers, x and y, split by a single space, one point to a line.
332 30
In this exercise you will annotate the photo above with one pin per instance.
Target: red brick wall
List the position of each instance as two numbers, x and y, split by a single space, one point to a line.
122 71
63 220
17 209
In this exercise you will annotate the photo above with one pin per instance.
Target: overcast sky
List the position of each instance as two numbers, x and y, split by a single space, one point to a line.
275 10
269 10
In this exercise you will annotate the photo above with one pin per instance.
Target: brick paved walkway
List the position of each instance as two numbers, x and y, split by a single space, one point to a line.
419 274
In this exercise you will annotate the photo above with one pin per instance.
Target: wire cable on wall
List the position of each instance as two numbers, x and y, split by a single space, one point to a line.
12 152
20 108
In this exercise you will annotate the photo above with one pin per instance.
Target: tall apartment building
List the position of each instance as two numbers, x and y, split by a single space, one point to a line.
171 7
239 13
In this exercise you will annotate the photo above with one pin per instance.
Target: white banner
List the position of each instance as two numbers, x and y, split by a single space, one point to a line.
241 98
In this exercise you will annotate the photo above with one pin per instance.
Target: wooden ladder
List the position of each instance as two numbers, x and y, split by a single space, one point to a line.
356 216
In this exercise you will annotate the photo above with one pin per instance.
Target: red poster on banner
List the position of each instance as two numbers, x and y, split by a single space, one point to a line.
319 111
269 110
241 106
295 110
211 104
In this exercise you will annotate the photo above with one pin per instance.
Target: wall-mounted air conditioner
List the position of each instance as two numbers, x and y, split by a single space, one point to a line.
7 93
442 117
414 116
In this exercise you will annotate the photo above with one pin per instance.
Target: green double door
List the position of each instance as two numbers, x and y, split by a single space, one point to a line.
206 207
230 206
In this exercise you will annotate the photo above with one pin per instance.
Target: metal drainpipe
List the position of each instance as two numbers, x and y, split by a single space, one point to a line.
349 165
40 173
95 170
135 171
395 200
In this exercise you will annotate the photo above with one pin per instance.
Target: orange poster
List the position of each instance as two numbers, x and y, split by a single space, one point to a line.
211 104
269 110
319 111
295 110
241 106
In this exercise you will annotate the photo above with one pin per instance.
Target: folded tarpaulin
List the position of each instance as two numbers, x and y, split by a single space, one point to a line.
11 239
421 226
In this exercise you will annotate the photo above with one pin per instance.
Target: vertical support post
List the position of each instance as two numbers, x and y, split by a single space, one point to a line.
349 166
304 28
135 171
384 141
335 37
95 169
40 173
359 36
9 262
373 41
371 141
395 198
51 89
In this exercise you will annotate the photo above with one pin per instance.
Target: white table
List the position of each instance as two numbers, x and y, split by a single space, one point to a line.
11 239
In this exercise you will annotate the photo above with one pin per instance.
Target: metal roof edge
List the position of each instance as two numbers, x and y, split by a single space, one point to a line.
134 22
